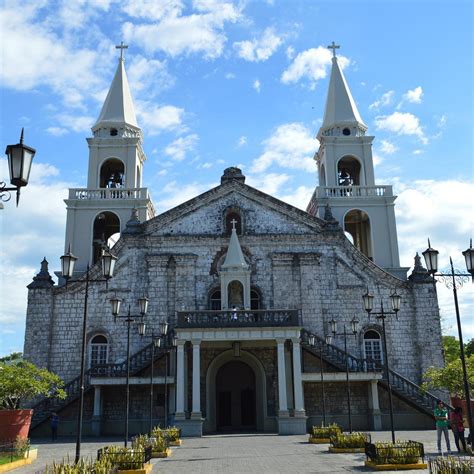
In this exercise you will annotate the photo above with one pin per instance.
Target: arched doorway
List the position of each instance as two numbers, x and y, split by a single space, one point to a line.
357 224
106 225
236 397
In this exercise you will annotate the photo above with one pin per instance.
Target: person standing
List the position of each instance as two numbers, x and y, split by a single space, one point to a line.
442 422
54 426
457 426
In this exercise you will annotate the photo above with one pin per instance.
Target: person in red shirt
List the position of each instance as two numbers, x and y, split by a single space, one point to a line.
458 428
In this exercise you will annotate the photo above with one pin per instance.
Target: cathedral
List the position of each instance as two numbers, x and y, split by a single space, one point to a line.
267 330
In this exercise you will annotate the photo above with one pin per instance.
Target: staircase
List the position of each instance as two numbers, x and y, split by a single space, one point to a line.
138 361
410 392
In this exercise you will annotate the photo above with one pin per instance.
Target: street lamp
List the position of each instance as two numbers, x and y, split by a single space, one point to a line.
354 323
67 266
129 319
20 157
455 279
319 344
395 301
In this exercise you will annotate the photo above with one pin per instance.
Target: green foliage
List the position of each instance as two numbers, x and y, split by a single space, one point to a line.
12 358
172 433
451 465
451 349
124 458
350 440
21 446
450 377
84 466
400 452
325 431
469 348
157 441
23 380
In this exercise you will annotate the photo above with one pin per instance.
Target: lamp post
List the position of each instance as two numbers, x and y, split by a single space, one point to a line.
129 319
20 157
354 323
455 279
395 301
320 345
67 269
164 332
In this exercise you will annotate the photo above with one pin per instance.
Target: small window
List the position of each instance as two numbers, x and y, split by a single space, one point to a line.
99 350
346 132
215 300
113 132
372 349
255 300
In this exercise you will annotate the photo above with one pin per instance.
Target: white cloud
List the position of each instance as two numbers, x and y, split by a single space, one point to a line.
300 197
417 152
242 141
258 49
312 64
269 183
176 34
385 99
148 74
388 147
230 75
157 118
376 159
290 52
177 193
76 123
178 148
401 123
57 131
152 9
414 96
291 145
256 85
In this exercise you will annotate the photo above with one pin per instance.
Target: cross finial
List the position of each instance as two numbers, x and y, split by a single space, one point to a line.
233 222
121 46
333 46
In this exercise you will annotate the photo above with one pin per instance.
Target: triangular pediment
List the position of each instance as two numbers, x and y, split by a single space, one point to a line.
262 214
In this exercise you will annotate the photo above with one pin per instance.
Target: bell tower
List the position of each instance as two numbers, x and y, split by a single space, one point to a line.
97 214
365 210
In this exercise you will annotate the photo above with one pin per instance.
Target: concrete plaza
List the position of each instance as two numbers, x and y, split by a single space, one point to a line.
237 453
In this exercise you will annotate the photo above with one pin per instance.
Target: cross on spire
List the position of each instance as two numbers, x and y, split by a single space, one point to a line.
121 46
233 222
333 46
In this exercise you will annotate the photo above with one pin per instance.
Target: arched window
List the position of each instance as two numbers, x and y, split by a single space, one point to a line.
357 224
255 299
233 218
112 174
348 172
372 349
215 300
106 224
322 176
98 350
235 294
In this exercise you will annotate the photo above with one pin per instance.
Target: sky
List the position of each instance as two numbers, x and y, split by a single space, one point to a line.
219 83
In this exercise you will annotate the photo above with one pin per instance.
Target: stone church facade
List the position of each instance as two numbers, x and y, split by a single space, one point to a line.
244 280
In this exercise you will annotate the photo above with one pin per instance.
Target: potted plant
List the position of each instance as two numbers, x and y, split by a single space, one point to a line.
394 456
20 382
349 442
322 434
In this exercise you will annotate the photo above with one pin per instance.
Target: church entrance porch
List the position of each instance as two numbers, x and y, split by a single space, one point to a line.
235 398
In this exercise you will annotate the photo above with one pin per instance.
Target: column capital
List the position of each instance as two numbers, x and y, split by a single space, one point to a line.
280 340
196 342
296 340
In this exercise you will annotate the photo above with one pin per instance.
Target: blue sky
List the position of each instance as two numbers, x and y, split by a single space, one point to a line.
222 83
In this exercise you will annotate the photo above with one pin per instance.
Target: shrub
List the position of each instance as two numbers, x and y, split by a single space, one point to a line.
400 452
350 440
158 443
451 465
84 466
173 433
325 431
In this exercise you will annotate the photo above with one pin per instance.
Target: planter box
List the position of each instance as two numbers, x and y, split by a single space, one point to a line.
161 454
318 440
332 449
14 423
178 442
30 456
145 470
395 467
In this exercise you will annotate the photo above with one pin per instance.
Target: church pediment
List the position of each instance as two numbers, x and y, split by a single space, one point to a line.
260 214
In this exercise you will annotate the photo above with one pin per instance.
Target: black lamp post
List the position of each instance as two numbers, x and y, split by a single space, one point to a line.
395 301
129 319
319 345
455 279
164 332
67 266
354 323
20 157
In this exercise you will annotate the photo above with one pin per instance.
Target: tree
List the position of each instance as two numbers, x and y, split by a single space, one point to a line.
23 381
450 377
469 348
451 349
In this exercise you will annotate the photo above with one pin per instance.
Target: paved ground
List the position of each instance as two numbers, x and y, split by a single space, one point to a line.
237 453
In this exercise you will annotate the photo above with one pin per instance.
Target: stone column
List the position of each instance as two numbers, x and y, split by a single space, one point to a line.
196 411
374 408
283 403
97 413
298 384
180 415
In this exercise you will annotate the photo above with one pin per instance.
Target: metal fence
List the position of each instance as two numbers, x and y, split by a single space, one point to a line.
126 458
409 452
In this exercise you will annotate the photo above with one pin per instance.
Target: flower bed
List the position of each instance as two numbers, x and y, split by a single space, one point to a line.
349 442
451 465
393 456
322 434
158 444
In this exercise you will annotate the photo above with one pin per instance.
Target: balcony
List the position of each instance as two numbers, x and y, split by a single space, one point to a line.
108 193
353 191
238 318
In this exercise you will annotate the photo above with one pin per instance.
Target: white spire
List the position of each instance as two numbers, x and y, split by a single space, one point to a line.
234 258
118 109
341 110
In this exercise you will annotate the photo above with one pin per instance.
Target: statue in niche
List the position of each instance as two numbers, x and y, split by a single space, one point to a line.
236 294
